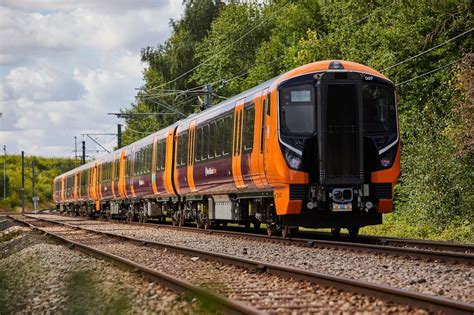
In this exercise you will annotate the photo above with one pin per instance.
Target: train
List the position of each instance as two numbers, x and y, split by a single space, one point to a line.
315 147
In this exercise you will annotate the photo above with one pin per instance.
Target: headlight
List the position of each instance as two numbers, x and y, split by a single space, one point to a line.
293 160
386 159
385 162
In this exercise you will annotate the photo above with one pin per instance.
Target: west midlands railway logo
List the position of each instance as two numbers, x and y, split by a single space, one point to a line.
210 171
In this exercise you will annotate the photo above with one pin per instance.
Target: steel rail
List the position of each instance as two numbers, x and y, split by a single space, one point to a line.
361 239
218 302
387 293
416 253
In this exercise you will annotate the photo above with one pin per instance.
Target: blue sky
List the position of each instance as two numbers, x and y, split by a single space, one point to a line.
65 64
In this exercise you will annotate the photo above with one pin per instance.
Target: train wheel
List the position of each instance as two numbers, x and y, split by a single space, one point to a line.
288 231
271 229
256 226
336 232
353 232
129 216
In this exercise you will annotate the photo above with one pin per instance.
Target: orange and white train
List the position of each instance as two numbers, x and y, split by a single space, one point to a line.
317 146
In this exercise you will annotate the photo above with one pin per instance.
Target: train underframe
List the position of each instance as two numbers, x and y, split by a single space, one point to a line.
349 207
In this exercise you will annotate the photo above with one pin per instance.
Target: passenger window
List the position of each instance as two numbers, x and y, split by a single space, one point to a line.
228 125
249 125
158 156
238 134
212 140
163 155
190 147
178 155
219 137
267 101
184 156
198 144
205 147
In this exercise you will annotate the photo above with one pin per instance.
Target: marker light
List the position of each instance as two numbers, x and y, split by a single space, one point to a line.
294 160
385 162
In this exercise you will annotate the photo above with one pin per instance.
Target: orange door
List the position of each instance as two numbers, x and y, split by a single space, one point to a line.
75 186
237 144
153 166
121 180
62 189
265 101
191 140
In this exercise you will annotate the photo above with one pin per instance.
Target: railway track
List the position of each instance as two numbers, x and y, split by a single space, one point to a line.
305 237
290 274
215 302
458 253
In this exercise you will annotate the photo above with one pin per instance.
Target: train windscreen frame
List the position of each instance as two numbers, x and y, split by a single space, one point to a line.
380 113
297 103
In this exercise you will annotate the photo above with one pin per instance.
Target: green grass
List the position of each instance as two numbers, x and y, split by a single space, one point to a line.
85 295
9 236
395 225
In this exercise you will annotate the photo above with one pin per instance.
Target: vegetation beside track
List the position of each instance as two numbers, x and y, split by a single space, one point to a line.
46 169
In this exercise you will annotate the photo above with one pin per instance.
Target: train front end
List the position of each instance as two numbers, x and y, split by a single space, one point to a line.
338 126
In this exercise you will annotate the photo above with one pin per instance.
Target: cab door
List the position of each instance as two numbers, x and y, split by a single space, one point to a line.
237 144
262 121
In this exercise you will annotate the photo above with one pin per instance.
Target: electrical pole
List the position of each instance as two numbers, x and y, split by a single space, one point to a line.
75 150
208 91
22 182
119 136
35 200
83 152
5 172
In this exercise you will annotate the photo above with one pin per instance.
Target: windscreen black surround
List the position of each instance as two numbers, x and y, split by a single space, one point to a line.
336 123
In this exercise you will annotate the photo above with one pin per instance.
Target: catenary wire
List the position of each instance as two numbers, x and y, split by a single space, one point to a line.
429 72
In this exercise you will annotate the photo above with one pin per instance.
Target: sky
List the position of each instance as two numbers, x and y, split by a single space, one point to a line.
65 64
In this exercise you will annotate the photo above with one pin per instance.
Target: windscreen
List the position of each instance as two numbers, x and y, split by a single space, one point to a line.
298 110
379 109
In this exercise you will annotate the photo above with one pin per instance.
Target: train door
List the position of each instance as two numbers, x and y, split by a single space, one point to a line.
132 171
76 181
237 144
112 175
99 180
122 178
169 162
62 189
340 136
265 145
257 160
94 186
153 165
190 166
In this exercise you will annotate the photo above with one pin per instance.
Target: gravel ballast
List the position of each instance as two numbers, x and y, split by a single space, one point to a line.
264 291
454 281
38 275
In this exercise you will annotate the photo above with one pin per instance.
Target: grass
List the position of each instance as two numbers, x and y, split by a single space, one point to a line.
7 237
85 295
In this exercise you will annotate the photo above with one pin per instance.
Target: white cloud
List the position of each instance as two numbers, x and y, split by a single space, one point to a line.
41 83
66 64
